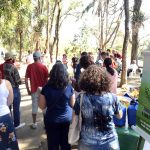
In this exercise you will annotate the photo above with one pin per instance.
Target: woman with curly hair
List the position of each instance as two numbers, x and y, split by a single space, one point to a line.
97 110
112 75
58 97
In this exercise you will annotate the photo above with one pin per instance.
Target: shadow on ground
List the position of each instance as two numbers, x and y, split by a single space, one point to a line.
30 139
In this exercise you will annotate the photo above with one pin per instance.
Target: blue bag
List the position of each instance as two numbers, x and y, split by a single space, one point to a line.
120 122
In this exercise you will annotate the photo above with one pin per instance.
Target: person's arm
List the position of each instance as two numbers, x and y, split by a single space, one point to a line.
118 108
72 100
38 91
42 102
27 86
46 73
27 77
119 115
11 95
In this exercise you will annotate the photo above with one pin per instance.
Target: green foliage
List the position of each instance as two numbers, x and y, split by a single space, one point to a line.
138 18
30 16
7 33
22 19
72 49
15 17
118 47
7 7
40 23
16 4
79 43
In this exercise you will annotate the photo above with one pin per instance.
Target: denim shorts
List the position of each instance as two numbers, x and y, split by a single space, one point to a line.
113 145
35 97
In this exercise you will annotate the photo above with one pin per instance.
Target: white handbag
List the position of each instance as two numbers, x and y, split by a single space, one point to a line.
75 126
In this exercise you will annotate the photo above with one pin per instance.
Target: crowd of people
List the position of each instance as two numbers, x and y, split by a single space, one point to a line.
59 98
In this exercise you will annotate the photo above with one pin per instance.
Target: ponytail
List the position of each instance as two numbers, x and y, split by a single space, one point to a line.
110 70
108 63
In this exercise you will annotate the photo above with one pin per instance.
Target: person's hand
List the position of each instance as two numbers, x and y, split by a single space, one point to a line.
39 90
29 92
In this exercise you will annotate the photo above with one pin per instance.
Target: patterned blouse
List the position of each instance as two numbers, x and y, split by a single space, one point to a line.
11 73
97 118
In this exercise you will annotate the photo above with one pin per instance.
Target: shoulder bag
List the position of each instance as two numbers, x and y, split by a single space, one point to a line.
75 126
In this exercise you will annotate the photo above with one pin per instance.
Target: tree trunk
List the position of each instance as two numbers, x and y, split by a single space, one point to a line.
47 29
37 45
102 30
125 44
51 52
117 29
112 43
106 22
39 24
21 45
57 28
52 42
135 31
135 44
99 26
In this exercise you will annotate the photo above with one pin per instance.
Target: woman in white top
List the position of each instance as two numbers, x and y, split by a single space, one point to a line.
132 69
7 135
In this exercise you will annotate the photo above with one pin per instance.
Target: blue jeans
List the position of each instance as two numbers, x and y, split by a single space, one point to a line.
16 106
114 145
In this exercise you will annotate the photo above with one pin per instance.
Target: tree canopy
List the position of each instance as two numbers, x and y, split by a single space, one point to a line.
30 24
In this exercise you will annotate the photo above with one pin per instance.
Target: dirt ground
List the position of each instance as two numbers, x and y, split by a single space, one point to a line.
28 138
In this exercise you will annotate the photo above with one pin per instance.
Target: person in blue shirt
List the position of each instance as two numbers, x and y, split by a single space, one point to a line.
97 110
58 97
78 67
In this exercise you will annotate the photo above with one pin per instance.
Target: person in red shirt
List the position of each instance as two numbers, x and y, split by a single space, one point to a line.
37 74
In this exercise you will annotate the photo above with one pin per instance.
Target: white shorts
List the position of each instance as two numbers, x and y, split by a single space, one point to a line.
35 97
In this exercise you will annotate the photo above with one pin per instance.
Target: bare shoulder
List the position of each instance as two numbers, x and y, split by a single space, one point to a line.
8 84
